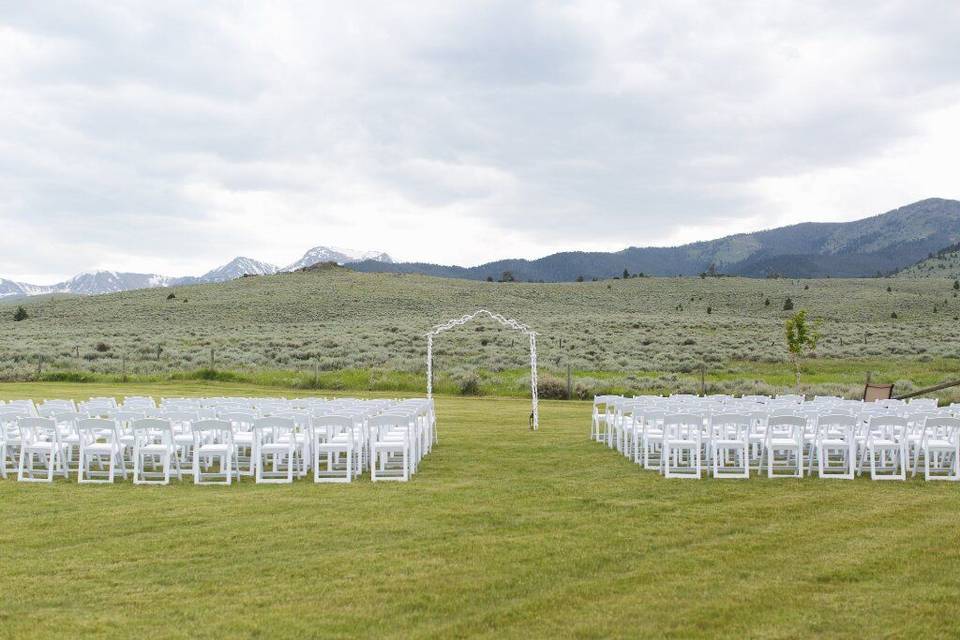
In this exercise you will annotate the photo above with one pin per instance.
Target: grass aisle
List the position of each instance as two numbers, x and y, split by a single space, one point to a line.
503 533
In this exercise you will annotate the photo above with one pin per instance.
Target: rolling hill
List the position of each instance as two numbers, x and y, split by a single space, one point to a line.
333 319
881 244
943 264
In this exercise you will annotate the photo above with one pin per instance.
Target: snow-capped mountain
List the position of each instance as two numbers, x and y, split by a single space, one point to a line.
110 282
86 284
97 282
11 289
237 268
333 254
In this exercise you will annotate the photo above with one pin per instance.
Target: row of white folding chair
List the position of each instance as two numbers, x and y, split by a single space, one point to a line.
896 445
109 409
833 444
685 439
154 444
312 434
272 450
913 432
420 413
650 436
607 422
48 408
39 442
19 405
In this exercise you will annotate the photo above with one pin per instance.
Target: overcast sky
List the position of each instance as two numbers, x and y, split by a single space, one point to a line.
169 137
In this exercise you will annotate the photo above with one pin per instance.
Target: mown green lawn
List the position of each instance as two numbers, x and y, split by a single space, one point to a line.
503 533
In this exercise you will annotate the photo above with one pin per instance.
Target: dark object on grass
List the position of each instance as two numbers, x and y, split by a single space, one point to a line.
873 392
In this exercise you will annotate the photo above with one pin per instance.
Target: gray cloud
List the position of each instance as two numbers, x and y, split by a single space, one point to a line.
170 136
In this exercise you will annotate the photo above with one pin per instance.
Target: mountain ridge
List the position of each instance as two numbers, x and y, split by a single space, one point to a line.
880 244
99 282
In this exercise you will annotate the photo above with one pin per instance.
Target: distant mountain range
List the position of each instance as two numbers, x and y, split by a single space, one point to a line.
112 281
882 244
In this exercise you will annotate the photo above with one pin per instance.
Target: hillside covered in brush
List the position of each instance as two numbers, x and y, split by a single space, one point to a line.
943 264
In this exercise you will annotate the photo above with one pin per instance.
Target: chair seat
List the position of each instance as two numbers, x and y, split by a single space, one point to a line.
879 442
154 449
390 445
783 442
739 443
831 442
213 449
334 445
40 446
99 448
276 447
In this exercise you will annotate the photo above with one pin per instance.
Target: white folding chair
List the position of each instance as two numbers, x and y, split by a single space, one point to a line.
213 440
941 449
784 435
10 438
154 451
886 446
651 435
836 446
730 443
242 423
99 440
682 442
332 437
40 443
389 448
275 450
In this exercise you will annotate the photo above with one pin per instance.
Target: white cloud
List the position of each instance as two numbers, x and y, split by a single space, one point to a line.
170 137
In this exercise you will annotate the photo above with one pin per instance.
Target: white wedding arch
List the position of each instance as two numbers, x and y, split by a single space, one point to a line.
513 324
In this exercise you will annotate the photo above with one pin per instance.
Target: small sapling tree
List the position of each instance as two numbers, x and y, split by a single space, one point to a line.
802 340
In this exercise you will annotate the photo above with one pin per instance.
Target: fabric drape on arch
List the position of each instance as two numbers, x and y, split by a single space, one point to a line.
513 324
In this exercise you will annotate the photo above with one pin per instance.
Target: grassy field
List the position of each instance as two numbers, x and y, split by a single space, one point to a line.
504 533
334 328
